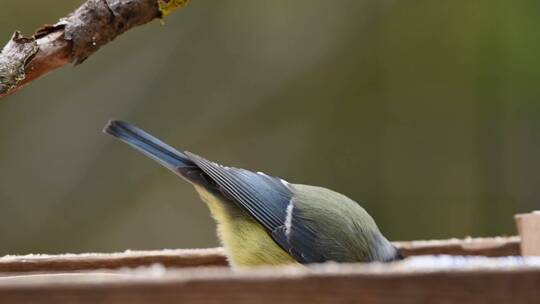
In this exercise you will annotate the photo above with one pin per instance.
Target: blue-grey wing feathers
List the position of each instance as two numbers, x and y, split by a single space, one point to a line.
270 201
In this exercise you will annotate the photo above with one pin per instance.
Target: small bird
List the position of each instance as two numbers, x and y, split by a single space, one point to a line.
264 220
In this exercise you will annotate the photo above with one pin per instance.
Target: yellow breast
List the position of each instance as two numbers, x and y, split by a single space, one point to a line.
246 242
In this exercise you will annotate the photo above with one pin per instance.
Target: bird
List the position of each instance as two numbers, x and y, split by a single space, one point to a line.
263 220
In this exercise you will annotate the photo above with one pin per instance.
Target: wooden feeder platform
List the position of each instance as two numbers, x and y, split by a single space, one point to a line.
472 270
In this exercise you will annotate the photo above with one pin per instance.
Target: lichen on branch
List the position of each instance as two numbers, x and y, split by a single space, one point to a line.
167 7
13 59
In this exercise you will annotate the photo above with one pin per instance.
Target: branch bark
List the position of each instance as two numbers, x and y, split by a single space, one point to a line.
74 38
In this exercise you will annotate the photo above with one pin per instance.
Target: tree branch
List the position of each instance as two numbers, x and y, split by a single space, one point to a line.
74 38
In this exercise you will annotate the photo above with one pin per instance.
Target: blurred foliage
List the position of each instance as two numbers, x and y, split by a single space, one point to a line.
424 111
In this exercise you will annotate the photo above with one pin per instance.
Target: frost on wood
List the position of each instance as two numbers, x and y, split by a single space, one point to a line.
13 59
129 258
427 279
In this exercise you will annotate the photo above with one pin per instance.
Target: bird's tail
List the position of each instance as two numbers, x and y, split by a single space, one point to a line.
152 147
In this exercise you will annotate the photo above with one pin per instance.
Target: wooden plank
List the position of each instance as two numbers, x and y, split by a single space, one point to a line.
500 246
491 247
401 282
75 262
529 229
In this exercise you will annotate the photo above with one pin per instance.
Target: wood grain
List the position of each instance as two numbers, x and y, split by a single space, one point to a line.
94 261
491 247
367 284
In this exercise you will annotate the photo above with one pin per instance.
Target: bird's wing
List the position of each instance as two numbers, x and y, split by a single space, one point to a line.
270 201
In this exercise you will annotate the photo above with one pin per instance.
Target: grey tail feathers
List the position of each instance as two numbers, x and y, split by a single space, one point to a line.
152 147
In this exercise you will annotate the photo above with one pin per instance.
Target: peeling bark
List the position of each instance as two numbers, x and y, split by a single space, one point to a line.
13 59
74 38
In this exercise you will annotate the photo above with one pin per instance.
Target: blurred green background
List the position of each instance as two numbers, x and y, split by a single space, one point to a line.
425 111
